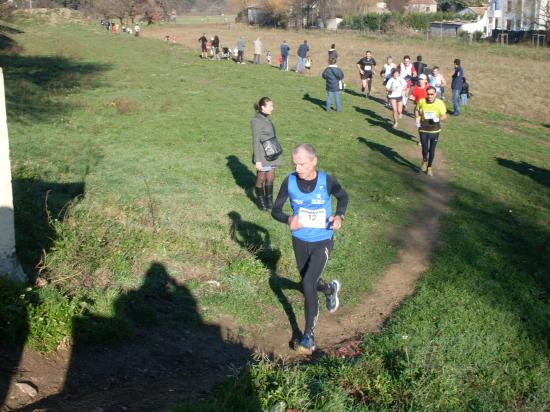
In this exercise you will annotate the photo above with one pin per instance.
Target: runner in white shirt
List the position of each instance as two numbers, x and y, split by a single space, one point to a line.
386 73
397 88
408 72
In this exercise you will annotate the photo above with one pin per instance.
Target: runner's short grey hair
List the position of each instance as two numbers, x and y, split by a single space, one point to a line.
307 148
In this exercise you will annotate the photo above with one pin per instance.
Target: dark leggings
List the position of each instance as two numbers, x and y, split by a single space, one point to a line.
312 258
266 178
428 141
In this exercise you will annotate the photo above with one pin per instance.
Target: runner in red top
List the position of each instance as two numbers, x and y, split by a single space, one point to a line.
419 92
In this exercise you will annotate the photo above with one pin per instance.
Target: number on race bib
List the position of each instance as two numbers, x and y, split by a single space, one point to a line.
313 218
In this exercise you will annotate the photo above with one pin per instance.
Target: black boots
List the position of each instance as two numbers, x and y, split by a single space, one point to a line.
265 197
269 196
261 198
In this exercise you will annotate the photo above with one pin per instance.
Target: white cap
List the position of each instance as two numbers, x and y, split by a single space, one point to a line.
423 76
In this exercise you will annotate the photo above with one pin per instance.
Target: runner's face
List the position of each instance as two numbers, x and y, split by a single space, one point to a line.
430 96
268 108
421 82
407 62
304 165
368 55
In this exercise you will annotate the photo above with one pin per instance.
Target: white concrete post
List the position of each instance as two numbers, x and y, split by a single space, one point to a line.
8 261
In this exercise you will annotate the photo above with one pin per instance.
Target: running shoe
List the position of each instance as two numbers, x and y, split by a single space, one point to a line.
429 172
395 125
306 345
424 166
400 115
332 299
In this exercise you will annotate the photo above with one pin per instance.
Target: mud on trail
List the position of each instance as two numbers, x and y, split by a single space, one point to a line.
162 366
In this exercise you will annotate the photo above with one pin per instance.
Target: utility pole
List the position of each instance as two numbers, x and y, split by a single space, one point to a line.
9 266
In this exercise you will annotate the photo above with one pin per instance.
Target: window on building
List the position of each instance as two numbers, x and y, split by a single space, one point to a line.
508 24
509 8
428 9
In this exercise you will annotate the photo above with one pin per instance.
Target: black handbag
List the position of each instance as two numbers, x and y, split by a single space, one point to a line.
272 148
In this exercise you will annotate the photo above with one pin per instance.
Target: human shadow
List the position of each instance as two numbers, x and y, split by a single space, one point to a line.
378 100
256 239
389 153
376 120
154 352
315 101
34 84
14 330
538 174
243 176
353 93
37 205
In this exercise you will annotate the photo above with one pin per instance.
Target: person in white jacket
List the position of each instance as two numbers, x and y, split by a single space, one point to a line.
257 50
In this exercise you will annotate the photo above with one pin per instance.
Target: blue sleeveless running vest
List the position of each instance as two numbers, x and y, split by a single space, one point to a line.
314 202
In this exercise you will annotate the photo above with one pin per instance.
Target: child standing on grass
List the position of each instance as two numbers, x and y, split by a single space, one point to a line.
268 57
280 62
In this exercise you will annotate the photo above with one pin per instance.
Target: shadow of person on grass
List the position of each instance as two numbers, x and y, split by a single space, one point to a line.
154 352
256 240
37 205
315 101
389 153
14 330
538 174
243 176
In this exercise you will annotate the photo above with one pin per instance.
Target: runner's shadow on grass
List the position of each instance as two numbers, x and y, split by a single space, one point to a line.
378 100
256 239
153 352
538 174
38 204
353 93
389 153
370 114
315 101
242 175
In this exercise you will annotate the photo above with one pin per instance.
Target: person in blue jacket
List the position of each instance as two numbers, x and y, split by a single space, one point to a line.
312 224
334 78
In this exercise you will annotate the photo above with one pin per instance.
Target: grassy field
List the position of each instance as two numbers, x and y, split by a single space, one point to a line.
491 70
128 151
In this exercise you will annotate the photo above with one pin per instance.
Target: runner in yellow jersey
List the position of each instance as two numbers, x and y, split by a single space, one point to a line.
429 114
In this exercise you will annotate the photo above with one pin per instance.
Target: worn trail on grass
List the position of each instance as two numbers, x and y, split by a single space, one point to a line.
159 370
419 240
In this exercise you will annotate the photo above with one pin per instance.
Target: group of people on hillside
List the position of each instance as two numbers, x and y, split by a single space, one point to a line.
210 48
124 27
312 222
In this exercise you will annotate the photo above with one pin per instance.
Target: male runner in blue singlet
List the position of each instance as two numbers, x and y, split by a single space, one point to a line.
312 224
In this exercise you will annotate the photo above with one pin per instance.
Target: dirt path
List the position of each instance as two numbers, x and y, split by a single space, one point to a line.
348 324
155 372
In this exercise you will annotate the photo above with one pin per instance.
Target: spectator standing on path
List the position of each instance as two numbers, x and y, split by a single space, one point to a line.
312 225
334 78
429 113
257 50
420 67
263 130
302 53
366 67
456 86
216 47
332 53
240 50
285 50
203 40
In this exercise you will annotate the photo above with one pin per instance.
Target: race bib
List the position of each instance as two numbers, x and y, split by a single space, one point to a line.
312 218
429 115
368 68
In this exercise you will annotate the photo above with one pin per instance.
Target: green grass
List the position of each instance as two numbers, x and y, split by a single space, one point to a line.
130 151
131 167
